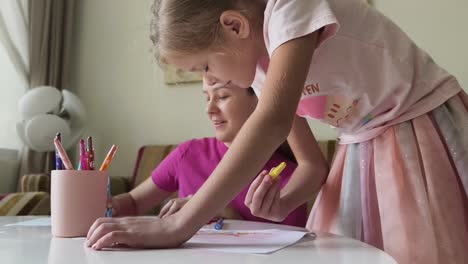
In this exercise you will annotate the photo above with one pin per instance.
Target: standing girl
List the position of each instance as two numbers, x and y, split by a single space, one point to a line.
399 180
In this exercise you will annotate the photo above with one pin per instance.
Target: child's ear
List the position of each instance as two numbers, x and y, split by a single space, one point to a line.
235 23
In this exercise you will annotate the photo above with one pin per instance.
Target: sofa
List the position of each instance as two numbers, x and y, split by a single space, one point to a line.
34 196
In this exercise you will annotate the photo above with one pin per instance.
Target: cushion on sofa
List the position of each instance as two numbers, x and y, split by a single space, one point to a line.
38 182
25 203
148 158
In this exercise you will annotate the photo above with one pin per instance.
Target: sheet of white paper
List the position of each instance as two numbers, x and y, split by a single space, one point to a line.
43 221
244 241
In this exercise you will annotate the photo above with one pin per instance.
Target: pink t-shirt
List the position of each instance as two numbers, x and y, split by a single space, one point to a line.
365 75
187 167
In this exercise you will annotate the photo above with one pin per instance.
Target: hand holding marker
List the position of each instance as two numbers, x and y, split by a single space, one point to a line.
274 173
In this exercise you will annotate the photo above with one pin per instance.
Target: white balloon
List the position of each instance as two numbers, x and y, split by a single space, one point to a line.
41 130
40 100
40 108
77 113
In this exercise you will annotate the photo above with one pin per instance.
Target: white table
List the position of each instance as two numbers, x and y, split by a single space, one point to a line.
22 244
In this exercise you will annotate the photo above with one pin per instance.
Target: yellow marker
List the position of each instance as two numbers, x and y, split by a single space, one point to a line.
275 172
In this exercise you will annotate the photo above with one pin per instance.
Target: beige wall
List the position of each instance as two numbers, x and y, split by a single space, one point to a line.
129 105
121 85
439 27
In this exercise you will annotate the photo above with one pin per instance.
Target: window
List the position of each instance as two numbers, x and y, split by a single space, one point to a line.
10 91
13 78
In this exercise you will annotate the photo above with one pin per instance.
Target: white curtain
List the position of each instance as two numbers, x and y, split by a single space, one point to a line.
14 67
14 26
14 81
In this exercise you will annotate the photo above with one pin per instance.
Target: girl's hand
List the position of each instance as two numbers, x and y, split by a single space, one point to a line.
137 232
173 206
263 198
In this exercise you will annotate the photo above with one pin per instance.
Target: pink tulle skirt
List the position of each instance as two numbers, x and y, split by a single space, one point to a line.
404 191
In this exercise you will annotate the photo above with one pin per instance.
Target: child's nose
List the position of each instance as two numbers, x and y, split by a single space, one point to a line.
210 81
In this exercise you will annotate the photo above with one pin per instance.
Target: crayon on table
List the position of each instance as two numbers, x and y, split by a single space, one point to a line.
219 224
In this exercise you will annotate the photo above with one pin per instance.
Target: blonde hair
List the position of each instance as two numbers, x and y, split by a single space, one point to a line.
190 26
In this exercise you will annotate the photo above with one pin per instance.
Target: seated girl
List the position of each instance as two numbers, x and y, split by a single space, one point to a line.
187 167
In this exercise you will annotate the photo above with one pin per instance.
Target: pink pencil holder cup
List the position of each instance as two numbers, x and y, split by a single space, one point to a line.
78 198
